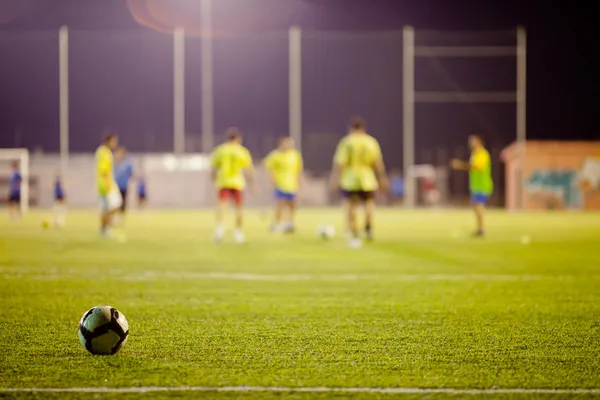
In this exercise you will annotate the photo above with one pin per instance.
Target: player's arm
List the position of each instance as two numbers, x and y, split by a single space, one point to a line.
249 170
132 171
300 170
379 168
268 164
214 165
460 165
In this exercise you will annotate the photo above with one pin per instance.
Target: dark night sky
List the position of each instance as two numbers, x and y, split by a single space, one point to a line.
562 44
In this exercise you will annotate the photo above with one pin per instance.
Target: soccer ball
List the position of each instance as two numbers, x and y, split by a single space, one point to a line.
103 330
326 232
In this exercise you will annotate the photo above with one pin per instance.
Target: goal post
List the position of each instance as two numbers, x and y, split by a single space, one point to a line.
7 156
412 96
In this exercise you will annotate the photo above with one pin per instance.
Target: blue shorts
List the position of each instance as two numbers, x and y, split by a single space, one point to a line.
281 195
59 196
14 197
479 198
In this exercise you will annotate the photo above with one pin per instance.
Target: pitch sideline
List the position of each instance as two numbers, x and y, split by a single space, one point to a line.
277 389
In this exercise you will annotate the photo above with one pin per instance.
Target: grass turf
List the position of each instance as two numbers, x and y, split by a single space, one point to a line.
423 306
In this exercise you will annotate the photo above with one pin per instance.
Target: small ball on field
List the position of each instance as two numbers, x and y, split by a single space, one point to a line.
326 232
103 330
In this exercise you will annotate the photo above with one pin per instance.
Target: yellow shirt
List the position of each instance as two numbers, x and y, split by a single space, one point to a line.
357 154
230 160
480 174
286 167
104 170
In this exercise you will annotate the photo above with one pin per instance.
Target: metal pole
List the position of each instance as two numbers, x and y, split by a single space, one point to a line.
295 76
521 111
408 117
208 128
63 78
179 91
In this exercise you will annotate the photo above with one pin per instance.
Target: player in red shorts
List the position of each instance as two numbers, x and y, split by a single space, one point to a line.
230 163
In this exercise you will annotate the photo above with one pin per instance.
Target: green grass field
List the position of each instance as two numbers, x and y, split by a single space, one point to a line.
425 306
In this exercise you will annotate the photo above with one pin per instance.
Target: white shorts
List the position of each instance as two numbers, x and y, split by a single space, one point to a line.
111 201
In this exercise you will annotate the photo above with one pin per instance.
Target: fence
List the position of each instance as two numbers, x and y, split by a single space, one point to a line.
62 90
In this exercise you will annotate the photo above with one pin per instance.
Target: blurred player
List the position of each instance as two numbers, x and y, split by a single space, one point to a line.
142 194
60 203
14 192
285 171
108 191
229 163
358 171
480 178
123 174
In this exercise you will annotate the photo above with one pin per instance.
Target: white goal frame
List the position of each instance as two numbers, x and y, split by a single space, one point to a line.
412 96
22 156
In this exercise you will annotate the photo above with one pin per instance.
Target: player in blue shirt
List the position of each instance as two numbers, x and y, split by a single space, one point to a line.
123 174
14 195
141 192
60 204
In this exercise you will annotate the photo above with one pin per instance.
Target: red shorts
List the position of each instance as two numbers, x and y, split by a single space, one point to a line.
232 194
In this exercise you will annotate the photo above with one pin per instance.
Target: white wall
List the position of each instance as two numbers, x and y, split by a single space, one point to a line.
172 182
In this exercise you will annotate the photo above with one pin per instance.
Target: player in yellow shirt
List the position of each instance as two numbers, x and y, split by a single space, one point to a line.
481 184
108 191
285 167
230 163
358 172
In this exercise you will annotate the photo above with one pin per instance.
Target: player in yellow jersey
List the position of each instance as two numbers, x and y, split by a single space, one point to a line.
230 163
108 191
285 167
481 184
358 172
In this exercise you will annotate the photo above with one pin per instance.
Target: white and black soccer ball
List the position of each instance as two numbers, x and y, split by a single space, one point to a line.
103 330
326 232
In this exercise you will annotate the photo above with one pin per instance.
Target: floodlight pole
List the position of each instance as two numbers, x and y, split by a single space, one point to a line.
295 85
63 78
521 110
408 114
179 91
206 77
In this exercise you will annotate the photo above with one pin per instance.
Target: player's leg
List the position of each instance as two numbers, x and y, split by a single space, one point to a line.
60 211
238 233
223 201
350 205
291 207
369 204
14 206
279 210
479 201
119 216
142 201
105 216
111 204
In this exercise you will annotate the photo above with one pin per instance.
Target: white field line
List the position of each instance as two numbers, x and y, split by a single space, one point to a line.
54 274
392 390
340 277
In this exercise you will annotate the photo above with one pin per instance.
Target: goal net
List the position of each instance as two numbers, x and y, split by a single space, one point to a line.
431 184
8 159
